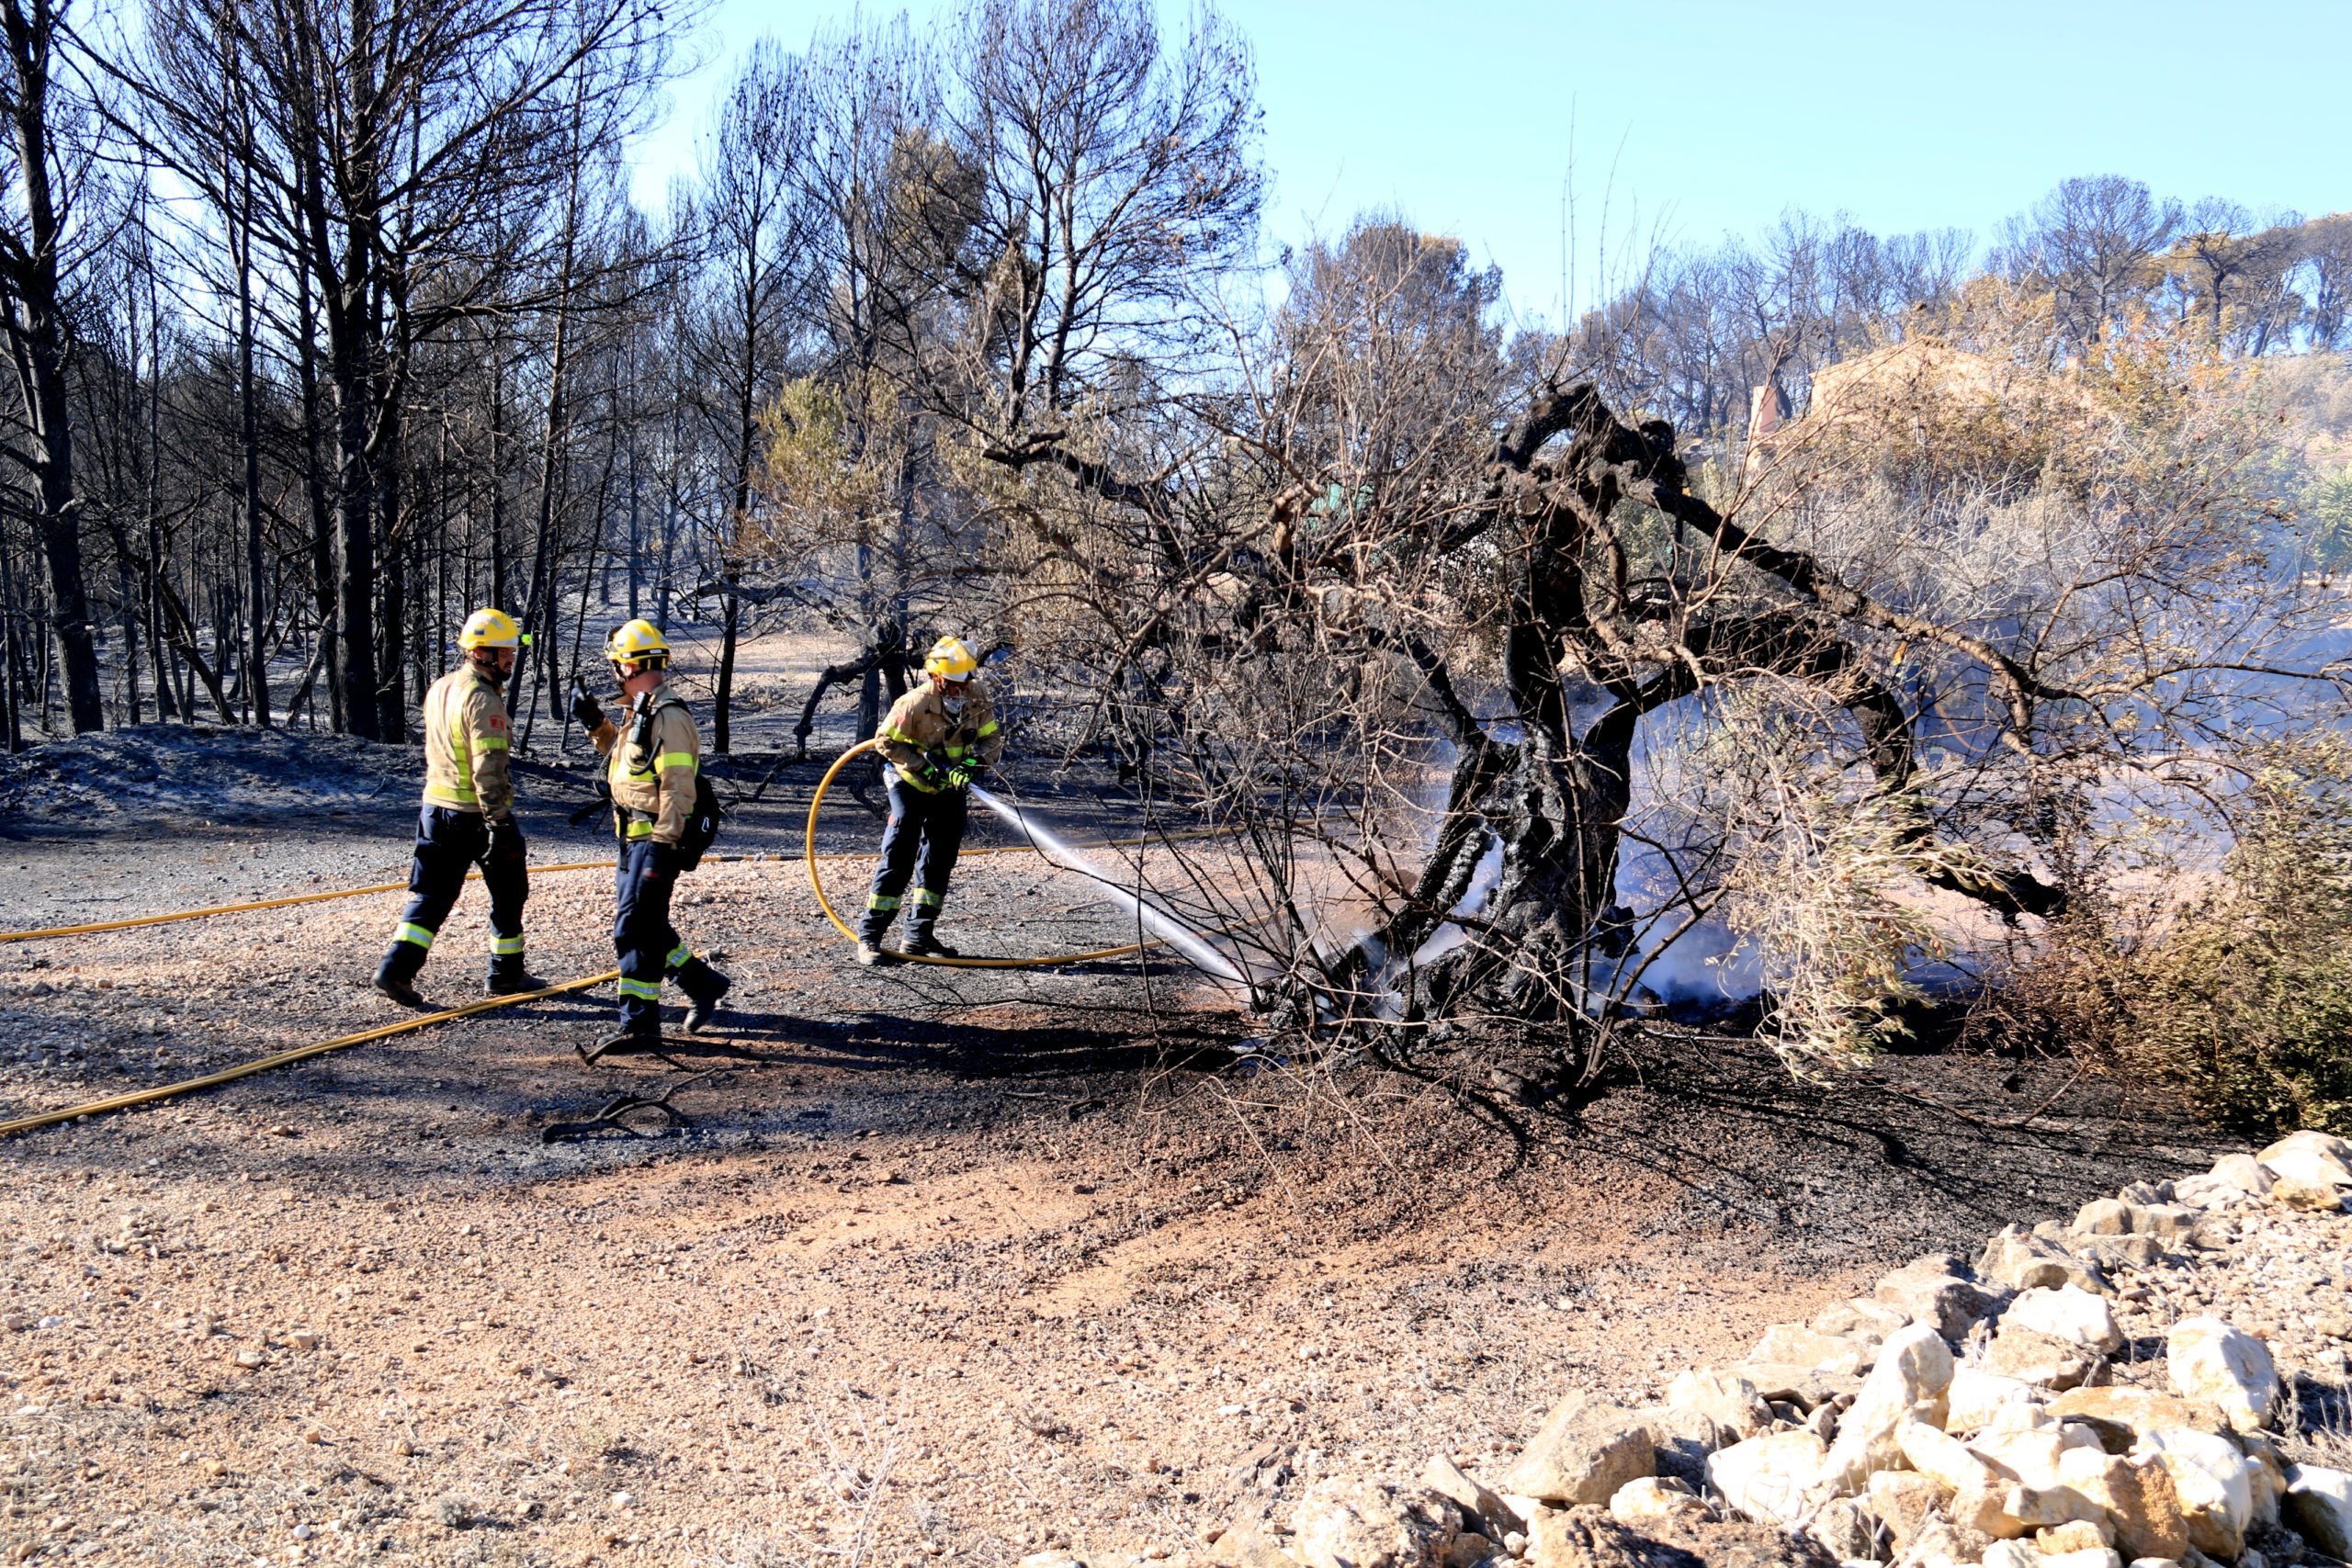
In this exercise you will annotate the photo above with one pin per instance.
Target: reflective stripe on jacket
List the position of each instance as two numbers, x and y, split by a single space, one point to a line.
919 725
653 789
465 745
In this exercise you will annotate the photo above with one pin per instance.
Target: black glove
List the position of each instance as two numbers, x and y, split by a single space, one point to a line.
661 860
506 836
930 776
585 708
964 772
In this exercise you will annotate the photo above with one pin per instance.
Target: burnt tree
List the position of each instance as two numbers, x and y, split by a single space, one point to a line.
51 166
1556 796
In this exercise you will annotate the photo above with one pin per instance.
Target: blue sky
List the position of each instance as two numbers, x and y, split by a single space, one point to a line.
1697 119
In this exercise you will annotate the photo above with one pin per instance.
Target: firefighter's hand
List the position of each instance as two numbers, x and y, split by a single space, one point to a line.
964 772
585 708
506 835
661 860
931 776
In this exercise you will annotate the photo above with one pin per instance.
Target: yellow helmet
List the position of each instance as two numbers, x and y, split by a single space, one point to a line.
950 657
490 628
640 642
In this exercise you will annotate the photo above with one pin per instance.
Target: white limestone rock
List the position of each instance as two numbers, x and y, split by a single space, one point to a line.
1343 1523
1728 1399
1654 1499
2309 1157
1976 1397
1928 1290
2213 1481
2244 1172
2067 1313
1768 1478
2103 1216
1477 1500
1911 1381
1585 1449
2209 1361
2319 1504
1941 1457
2043 1360
2023 1261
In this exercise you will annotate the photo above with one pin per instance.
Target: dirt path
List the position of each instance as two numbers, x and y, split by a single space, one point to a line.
961 1266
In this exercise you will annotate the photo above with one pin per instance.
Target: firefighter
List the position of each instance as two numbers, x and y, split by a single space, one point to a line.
652 773
938 738
467 817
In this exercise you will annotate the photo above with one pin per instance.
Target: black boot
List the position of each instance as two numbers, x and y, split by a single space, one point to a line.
703 987
509 978
395 974
924 943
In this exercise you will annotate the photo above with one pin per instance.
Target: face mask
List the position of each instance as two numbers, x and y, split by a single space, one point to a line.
953 704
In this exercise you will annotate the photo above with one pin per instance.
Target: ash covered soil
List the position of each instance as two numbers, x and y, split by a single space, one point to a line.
953 1264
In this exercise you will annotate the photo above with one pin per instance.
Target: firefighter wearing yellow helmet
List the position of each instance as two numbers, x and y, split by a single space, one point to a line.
652 774
466 818
939 737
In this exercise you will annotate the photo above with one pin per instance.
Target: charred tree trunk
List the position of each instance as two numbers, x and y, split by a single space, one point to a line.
1555 796
315 486
31 274
249 441
355 513
731 616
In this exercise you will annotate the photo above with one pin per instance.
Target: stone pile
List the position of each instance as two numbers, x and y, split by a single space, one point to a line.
2082 1395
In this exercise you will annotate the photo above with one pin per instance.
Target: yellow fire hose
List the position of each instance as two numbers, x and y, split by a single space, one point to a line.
300 1053
476 876
263 1063
808 845
264 903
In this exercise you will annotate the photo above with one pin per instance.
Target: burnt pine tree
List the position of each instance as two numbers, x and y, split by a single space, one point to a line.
53 151
405 153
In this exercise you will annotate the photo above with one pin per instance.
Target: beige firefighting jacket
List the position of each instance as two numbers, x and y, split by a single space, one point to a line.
918 726
653 791
465 745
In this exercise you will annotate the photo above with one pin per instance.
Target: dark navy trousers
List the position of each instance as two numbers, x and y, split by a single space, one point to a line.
647 943
925 831
449 843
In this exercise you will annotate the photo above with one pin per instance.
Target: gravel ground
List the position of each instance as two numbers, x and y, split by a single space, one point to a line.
953 1264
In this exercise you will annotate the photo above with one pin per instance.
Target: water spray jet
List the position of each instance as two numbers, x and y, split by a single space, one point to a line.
1165 927
1175 934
